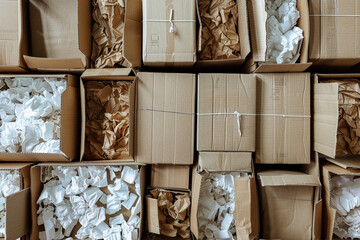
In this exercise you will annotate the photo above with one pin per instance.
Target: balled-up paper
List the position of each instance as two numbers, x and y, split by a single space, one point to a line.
107 119
219 34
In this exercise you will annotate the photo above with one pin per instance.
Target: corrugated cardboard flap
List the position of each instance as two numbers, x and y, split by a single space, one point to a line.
278 68
287 178
152 215
42 64
106 72
346 162
13 166
225 161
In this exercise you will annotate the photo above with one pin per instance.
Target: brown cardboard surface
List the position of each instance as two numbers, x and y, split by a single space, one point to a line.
110 74
225 161
162 47
283 140
170 176
13 39
258 17
218 96
70 124
165 118
60 35
287 178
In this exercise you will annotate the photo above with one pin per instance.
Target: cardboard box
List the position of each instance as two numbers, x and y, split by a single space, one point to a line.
37 187
283 121
70 124
288 204
17 205
246 199
244 37
258 19
109 74
60 35
170 176
334 39
161 46
326 112
165 118
219 97
14 35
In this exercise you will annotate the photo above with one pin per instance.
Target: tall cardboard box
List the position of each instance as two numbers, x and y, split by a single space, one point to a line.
169 33
334 38
288 204
246 215
226 118
165 118
170 176
283 118
258 20
14 35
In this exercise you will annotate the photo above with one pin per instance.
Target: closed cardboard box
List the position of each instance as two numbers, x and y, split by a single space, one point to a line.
334 37
170 176
165 118
226 117
283 118
14 35
288 204
169 33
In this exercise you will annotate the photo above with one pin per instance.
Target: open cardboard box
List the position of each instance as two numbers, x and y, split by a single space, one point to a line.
109 74
258 19
170 176
37 187
14 35
70 124
246 213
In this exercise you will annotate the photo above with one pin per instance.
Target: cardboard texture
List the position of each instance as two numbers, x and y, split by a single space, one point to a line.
60 35
334 36
246 215
219 97
170 176
169 33
326 112
288 204
70 124
258 18
165 118
37 187
243 31
283 121
14 35
109 74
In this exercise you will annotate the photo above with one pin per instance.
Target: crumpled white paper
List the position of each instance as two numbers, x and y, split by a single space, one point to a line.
30 114
79 196
10 182
216 206
284 39
345 199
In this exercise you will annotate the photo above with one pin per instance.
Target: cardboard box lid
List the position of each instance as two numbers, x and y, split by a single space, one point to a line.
287 178
170 176
346 162
225 161
219 97
165 118
278 68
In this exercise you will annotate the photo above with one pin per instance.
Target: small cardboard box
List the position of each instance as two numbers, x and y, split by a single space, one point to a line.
165 118
37 187
246 213
326 112
220 96
14 35
170 176
283 121
258 19
70 124
334 38
17 205
109 74
288 204
169 33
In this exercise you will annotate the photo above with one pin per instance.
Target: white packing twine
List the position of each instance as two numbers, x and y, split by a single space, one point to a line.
171 21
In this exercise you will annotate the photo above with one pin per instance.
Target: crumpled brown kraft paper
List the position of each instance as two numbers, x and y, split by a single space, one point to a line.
348 133
107 119
220 38
108 33
174 212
